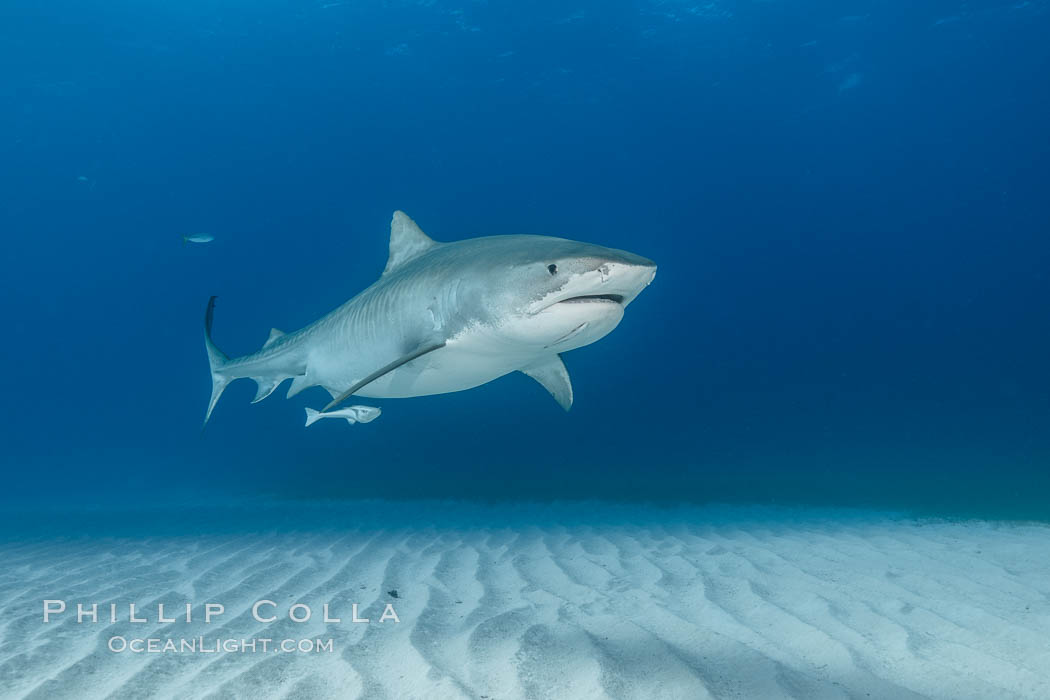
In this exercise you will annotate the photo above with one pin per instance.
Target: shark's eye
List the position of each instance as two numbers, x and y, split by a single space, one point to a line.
552 268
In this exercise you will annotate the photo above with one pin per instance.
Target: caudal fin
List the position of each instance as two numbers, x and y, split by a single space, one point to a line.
216 359
312 416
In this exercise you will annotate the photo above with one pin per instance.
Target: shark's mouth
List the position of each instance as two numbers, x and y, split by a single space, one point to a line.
615 298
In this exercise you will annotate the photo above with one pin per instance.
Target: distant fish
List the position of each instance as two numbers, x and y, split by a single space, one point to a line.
352 414
851 82
198 238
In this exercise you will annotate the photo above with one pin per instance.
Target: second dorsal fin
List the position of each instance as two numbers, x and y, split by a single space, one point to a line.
274 335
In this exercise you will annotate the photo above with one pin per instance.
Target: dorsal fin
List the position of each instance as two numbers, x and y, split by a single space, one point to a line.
274 335
406 241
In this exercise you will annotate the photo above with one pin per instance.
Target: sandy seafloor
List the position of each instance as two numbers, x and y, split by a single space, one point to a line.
561 601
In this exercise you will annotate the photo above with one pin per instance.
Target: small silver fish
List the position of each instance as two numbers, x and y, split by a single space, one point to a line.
198 238
352 414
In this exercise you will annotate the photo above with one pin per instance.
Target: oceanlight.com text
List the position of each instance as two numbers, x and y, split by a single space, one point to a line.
203 645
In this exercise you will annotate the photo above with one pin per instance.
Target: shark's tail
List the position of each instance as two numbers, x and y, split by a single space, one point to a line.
268 367
216 359
312 416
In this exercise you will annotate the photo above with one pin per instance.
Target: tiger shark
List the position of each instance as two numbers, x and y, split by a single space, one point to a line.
446 317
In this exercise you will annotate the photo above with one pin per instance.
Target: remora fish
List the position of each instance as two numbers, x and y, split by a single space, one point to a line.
352 414
446 317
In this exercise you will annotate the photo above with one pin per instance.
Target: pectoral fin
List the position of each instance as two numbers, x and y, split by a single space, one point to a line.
551 373
404 359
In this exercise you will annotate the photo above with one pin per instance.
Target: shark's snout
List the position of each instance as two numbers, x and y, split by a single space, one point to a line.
636 274
616 277
618 280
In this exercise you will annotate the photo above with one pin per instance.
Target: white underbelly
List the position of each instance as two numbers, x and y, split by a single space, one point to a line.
462 364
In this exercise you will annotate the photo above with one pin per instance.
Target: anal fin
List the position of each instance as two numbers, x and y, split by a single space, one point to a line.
266 387
298 384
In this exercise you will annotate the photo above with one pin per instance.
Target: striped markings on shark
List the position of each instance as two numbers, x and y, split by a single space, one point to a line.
446 317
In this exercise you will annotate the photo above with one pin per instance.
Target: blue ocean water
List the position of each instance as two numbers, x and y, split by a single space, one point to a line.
847 202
